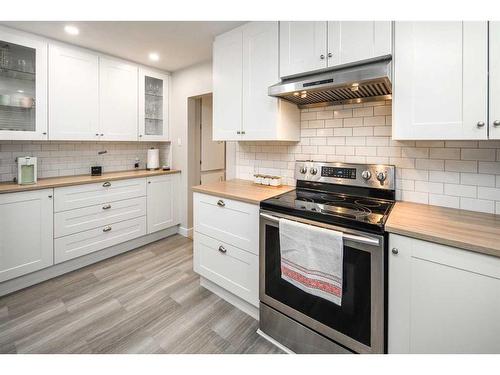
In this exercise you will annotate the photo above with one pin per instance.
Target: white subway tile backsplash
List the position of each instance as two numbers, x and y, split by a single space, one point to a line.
459 174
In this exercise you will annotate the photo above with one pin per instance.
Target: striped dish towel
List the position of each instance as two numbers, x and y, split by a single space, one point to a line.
312 258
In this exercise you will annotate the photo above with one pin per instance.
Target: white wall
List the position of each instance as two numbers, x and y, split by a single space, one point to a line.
186 83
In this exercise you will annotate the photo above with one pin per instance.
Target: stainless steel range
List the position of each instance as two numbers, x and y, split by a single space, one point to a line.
354 199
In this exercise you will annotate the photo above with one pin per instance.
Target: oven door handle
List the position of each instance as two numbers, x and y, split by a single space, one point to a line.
347 236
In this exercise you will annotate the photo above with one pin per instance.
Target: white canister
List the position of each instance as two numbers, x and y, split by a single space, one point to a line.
266 180
276 181
153 159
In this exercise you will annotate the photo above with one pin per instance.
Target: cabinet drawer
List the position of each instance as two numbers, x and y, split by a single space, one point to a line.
71 197
228 220
81 219
231 268
87 242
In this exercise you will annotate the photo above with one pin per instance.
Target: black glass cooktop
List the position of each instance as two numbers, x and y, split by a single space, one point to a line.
334 208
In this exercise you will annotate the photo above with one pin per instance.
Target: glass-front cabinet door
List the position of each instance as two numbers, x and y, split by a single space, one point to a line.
153 106
23 87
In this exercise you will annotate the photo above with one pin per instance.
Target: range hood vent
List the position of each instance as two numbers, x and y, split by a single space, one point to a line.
354 84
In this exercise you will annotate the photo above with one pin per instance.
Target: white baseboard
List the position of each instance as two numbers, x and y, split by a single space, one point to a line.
36 277
186 232
231 298
274 342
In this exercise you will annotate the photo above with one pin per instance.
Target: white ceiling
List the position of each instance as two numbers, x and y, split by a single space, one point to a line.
179 43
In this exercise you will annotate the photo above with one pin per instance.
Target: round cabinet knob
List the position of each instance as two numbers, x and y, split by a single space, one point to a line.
314 171
496 123
395 251
303 170
366 175
330 54
480 124
322 57
381 176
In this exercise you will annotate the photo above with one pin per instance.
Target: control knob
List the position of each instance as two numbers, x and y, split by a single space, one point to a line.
314 171
381 176
303 170
366 175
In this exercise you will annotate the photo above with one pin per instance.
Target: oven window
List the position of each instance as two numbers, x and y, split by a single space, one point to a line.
353 318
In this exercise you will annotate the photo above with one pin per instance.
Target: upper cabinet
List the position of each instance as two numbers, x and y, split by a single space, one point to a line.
118 92
303 47
23 86
494 83
245 65
352 41
73 94
153 106
440 82
307 46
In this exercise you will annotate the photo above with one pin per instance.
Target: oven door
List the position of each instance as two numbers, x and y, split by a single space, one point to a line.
358 323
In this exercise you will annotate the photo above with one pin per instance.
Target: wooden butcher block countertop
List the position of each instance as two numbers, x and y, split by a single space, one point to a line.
467 230
242 190
55 182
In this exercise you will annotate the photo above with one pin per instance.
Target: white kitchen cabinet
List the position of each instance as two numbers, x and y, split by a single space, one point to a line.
494 80
153 106
243 110
163 201
118 104
442 299
25 232
353 41
440 82
23 86
226 245
303 47
73 94
307 46
227 85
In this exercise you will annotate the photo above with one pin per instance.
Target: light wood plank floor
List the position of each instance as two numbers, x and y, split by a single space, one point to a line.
145 301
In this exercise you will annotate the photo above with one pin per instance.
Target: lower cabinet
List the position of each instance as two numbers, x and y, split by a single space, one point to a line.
226 244
26 232
163 202
89 241
442 299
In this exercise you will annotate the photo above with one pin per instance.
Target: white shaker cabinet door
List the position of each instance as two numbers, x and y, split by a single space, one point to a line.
442 299
227 86
440 82
354 41
302 46
73 94
494 82
118 100
260 70
163 202
26 232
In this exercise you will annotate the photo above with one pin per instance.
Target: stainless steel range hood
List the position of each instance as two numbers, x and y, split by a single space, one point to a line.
353 84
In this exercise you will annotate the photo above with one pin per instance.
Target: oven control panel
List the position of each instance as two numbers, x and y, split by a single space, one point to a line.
379 176
337 172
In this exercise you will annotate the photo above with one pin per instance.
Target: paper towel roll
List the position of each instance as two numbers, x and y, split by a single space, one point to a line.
153 159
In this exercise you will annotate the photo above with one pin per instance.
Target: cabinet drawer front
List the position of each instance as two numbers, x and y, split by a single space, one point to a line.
81 219
231 268
228 220
71 197
87 242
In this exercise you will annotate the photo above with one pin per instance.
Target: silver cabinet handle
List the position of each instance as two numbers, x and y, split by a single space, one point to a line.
322 57
222 249
106 228
330 54
480 124
496 123
106 184
106 207
220 203
395 251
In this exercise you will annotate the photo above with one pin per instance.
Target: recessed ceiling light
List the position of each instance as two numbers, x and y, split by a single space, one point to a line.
72 30
153 56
